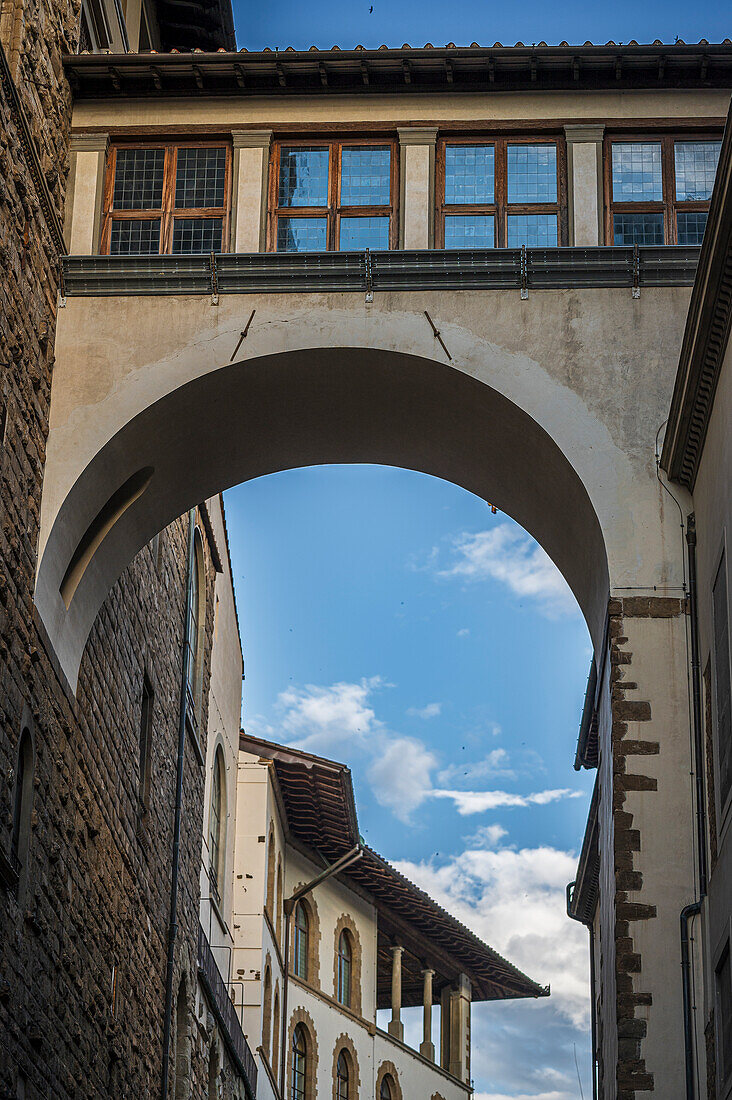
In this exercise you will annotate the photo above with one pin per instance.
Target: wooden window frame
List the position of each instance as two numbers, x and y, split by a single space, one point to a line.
500 208
669 205
167 211
333 212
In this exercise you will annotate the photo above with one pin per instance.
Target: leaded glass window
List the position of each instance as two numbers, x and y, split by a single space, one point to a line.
299 1064
301 942
342 1077
166 198
385 1090
333 196
344 968
503 192
659 189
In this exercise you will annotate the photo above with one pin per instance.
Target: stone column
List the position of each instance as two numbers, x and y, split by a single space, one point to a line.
396 1027
427 1047
460 1029
445 1002
585 184
85 195
417 176
249 198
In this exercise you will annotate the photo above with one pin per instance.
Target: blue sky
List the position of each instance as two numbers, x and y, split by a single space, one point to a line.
391 621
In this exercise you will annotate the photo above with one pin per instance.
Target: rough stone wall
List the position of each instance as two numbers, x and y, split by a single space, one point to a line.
97 889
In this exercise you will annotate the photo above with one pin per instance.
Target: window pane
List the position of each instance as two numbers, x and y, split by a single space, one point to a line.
696 167
303 177
532 173
301 234
200 177
192 235
365 176
469 231
533 230
138 179
691 226
135 238
637 172
469 174
359 233
638 228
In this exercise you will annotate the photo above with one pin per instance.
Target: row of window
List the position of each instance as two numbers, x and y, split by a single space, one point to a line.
500 192
345 1076
301 955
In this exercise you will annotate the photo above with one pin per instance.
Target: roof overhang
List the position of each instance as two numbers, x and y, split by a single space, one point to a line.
316 797
706 335
448 69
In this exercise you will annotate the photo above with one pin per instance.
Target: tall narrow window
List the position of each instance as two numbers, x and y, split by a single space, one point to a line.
278 919
724 1010
502 192
299 1064
385 1091
342 1077
659 190
145 749
723 683
300 943
22 806
266 1007
217 824
344 968
276 1029
269 900
333 196
166 198
196 622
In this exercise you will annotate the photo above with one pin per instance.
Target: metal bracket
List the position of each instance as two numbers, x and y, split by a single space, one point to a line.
436 334
214 281
635 293
369 279
242 337
524 274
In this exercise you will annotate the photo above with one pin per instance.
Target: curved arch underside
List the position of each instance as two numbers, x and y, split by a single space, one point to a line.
315 407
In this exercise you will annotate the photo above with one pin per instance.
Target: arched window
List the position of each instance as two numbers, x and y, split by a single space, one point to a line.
276 1029
270 872
386 1092
278 918
22 805
342 1077
299 1064
217 824
344 968
266 1006
300 945
196 623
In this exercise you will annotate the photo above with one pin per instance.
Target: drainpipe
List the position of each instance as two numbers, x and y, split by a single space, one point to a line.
289 904
694 908
173 919
593 985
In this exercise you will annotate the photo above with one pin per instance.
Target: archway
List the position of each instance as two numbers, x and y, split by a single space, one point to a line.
309 407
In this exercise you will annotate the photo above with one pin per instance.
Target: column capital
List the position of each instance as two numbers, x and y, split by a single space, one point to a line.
427 971
88 143
582 133
411 135
251 139
396 948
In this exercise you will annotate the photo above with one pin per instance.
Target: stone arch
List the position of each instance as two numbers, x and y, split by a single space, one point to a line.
346 923
271 856
302 1017
310 906
388 1069
267 1005
437 1096
392 405
344 1045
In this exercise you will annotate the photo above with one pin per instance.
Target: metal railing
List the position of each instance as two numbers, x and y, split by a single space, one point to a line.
225 1013
523 269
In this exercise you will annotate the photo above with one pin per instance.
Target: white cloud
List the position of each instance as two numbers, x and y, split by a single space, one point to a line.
431 710
477 802
494 764
401 775
524 1096
487 836
463 632
506 553
514 899
320 719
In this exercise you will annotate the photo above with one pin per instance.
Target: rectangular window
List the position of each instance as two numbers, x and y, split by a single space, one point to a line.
166 199
658 189
333 196
722 683
724 1010
505 192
